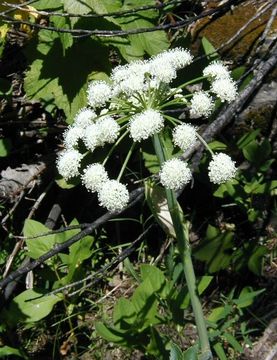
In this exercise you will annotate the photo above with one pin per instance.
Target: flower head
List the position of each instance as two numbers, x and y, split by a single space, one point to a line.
72 136
109 130
161 69
225 89
216 70
184 136
84 118
92 137
178 57
68 163
201 105
99 92
175 174
113 195
94 177
145 124
221 169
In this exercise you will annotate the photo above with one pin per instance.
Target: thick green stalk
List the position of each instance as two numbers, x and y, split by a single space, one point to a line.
182 235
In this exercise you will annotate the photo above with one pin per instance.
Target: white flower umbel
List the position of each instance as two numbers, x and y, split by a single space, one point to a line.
201 105
184 136
161 69
216 70
84 118
98 93
221 169
175 174
109 129
178 57
94 177
145 124
225 89
129 78
72 136
92 137
68 163
113 195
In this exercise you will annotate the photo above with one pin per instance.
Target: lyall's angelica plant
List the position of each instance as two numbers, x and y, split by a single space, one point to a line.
134 103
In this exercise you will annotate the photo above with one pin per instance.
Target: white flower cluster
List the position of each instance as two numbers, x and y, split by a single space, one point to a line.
135 97
222 86
111 193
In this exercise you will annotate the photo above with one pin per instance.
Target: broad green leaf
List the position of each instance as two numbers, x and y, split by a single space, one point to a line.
10 351
41 245
5 147
191 353
209 49
59 78
219 313
175 352
146 305
246 297
217 146
124 314
255 262
215 250
156 278
157 345
110 334
65 38
32 305
257 153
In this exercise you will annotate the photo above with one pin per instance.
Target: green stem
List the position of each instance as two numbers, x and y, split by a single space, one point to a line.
182 235
126 161
205 144
114 146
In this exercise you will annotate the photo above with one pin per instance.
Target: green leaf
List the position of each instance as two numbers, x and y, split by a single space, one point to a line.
217 146
156 278
9 351
5 147
248 138
58 77
175 352
233 342
157 345
246 297
41 245
124 314
209 49
32 305
257 153
220 351
191 353
215 250
219 313
255 262
110 334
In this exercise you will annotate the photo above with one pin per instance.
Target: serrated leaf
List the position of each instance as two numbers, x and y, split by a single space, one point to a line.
60 79
156 278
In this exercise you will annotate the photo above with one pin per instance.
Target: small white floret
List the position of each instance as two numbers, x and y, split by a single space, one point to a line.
221 169
84 118
201 104
72 135
175 174
94 177
99 92
109 129
216 70
161 69
68 163
184 136
145 124
92 137
225 89
113 195
178 57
